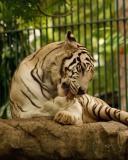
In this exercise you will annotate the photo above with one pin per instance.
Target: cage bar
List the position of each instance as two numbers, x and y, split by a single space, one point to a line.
82 23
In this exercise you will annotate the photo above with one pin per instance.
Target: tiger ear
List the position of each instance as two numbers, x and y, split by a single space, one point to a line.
69 37
70 42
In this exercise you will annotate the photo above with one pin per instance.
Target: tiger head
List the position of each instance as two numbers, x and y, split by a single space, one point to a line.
76 68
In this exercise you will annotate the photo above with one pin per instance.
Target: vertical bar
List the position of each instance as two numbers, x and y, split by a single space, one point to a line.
46 25
10 42
5 89
84 21
53 30
91 27
40 38
112 60
98 49
125 58
5 78
78 20
46 30
105 65
40 35
59 23
28 42
118 61
34 40
16 47
71 18
0 80
65 18
22 45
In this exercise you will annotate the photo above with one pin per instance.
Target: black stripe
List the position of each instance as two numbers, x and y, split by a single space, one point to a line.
12 111
90 56
12 104
62 64
101 106
17 106
87 59
21 109
81 101
126 120
60 43
33 56
107 111
73 88
73 62
35 68
87 102
28 89
79 45
48 54
35 53
78 67
74 76
13 114
46 88
82 52
38 74
30 99
93 109
118 114
74 85
86 52
99 111
37 80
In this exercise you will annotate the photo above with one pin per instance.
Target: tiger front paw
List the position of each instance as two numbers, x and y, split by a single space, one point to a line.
66 117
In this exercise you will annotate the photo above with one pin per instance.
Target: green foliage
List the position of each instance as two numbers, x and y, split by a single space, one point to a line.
5 112
28 11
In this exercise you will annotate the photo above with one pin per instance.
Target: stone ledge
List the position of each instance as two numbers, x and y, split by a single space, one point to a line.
39 139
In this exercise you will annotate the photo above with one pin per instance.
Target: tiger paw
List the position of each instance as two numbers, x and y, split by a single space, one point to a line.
66 117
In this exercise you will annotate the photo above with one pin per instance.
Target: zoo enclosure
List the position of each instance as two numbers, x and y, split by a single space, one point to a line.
100 25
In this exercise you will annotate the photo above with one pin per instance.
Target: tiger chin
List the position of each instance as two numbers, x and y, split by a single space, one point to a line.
52 83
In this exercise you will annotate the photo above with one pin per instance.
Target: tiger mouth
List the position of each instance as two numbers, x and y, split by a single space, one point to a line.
68 93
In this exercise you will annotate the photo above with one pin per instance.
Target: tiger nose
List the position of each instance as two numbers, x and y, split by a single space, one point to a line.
80 91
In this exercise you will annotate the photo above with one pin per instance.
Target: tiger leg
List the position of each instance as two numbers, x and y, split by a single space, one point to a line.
66 111
95 109
71 113
61 109
48 109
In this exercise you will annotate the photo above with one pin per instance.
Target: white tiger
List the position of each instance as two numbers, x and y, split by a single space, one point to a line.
51 83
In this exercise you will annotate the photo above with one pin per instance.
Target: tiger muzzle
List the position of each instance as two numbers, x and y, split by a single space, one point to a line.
71 90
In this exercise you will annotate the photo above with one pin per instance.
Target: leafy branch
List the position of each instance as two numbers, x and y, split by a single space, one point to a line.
57 16
34 9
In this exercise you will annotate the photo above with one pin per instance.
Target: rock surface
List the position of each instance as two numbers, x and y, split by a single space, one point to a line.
39 139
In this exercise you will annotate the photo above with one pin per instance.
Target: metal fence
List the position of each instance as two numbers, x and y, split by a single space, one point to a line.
100 25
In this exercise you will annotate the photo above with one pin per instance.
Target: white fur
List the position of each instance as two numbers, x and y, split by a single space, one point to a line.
36 88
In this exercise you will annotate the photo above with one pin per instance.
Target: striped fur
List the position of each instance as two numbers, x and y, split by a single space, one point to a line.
51 83
95 109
